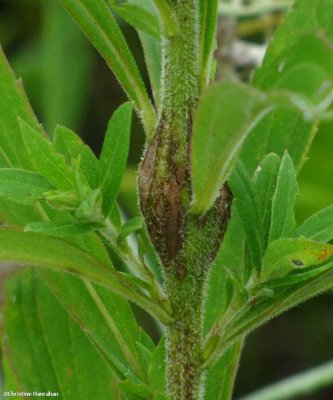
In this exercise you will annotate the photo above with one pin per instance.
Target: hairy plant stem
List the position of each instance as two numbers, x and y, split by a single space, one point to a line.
184 338
165 192
186 243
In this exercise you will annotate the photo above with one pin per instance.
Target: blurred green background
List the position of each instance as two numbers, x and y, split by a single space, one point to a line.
69 84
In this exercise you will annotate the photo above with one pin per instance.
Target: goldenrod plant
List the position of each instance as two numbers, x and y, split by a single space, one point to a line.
216 251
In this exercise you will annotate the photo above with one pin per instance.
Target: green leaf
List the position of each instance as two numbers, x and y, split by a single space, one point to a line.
13 104
248 209
285 255
157 368
265 187
72 147
301 20
68 143
285 129
153 57
98 23
138 17
13 153
62 229
24 187
114 154
37 249
253 315
17 214
228 268
133 225
33 248
282 129
106 318
146 346
152 50
169 23
48 356
208 24
295 277
48 162
90 208
60 200
319 226
219 384
312 59
282 218
135 391
223 120
228 113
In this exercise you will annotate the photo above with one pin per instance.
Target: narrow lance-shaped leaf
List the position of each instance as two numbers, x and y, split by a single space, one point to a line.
32 248
169 23
304 18
62 228
47 161
248 210
306 70
13 104
157 368
228 113
228 262
152 50
286 129
219 383
98 23
36 249
129 227
114 154
319 226
24 187
294 277
208 22
265 186
282 218
284 255
138 17
73 148
13 153
225 116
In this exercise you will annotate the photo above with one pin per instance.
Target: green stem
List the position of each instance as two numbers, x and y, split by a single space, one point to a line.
180 82
180 92
305 383
184 338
